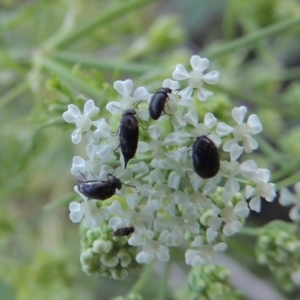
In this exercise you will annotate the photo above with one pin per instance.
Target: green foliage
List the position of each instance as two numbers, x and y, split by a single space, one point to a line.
54 53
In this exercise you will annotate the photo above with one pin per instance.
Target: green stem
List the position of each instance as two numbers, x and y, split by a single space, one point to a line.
73 80
143 279
163 287
249 231
287 170
240 248
105 17
288 181
290 73
95 62
251 38
264 146
14 92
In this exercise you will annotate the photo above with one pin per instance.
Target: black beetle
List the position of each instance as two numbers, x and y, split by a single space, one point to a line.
157 102
129 134
206 158
98 189
124 231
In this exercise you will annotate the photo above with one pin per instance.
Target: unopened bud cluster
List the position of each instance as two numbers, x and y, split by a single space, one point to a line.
278 247
108 255
207 282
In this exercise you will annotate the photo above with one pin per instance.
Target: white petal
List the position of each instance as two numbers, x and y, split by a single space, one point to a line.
103 151
186 92
140 168
78 165
114 108
227 146
155 131
143 114
235 152
115 223
142 147
163 253
232 228
203 94
223 129
132 200
250 144
199 63
232 185
209 188
249 191
174 180
254 203
254 124
141 93
178 120
76 136
90 109
211 235
220 247
195 181
171 84
238 114
124 87
180 73
102 130
192 117
263 175
72 114
248 168
186 101
211 77
144 258
198 241
157 176
116 208
210 120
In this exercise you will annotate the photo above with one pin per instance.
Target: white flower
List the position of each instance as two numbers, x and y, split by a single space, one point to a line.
125 88
153 249
232 216
287 198
262 189
88 209
231 169
242 132
196 77
203 254
130 217
83 121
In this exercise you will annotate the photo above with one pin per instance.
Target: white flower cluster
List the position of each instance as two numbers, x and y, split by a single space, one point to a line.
287 198
167 202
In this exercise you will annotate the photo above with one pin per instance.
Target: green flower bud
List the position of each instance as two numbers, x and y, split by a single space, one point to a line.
211 282
278 247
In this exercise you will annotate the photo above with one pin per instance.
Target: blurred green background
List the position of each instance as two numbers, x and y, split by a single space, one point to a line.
53 53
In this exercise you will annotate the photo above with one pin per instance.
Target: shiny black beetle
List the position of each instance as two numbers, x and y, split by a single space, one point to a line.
98 189
157 102
205 157
129 134
124 231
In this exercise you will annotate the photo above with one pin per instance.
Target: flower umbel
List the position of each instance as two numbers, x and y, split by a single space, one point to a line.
162 197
